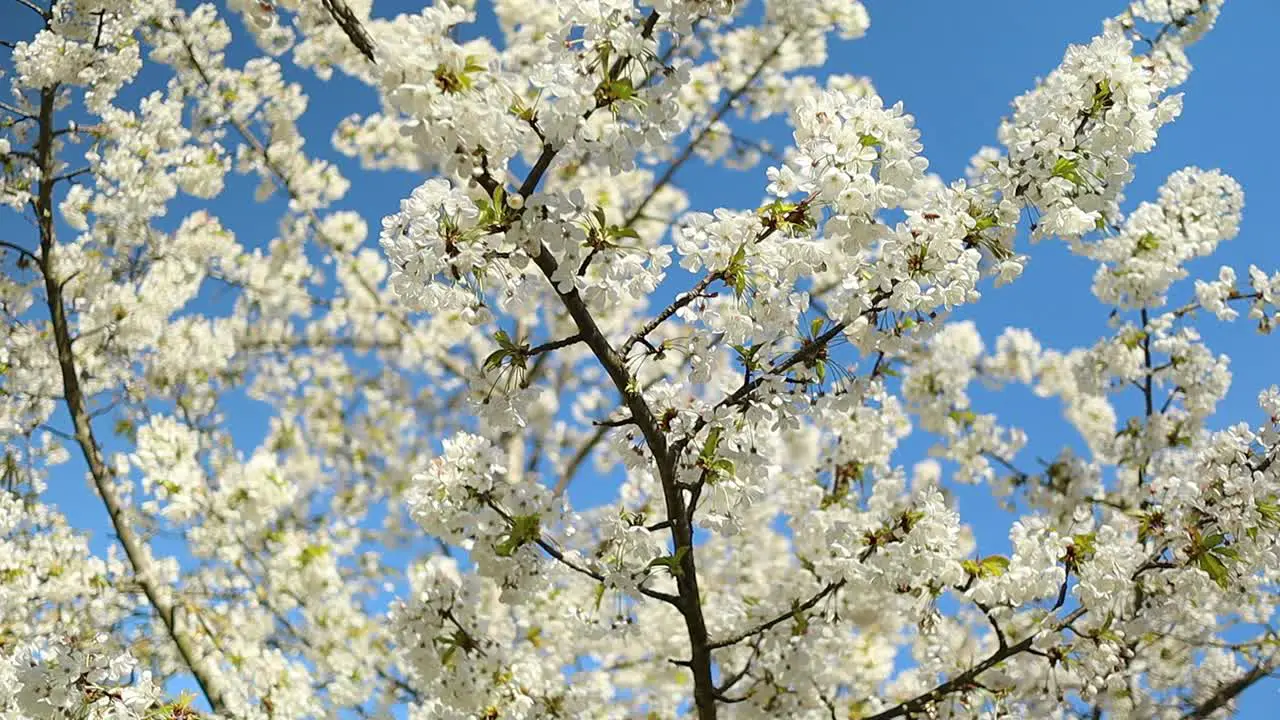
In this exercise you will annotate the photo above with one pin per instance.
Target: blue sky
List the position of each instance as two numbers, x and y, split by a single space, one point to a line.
956 66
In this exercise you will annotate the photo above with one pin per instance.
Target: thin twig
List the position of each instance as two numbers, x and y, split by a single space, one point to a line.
765 626
687 152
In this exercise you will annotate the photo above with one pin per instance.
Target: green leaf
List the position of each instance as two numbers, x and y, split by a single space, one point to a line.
1133 338
709 447
1067 169
671 562
995 565
624 232
524 529
311 553
985 222
909 519
815 327
1101 97
1218 572
868 140
1148 242
747 355
799 624
494 360
505 340
991 566
1209 542
1269 509
1084 545
447 655
622 89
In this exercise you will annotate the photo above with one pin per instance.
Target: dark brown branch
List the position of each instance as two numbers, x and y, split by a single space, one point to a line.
350 25
1230 692
555 552
584 451
766 626
621 422
1147 394
12 110
35 8
699 290
580 456
554 345
807 352
728 683
690 597
987 610
77 406
20 250
967 678
1193 306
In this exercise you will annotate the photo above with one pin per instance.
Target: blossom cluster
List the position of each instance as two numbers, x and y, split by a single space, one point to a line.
559 440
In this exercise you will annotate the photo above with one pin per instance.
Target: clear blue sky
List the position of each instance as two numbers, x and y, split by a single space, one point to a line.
956 66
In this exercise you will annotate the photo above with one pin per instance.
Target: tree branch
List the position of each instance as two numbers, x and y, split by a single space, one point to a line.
134 547
350 25
967 678
690 598
765 626
692 146
1230 691
699 290
20 250
554 345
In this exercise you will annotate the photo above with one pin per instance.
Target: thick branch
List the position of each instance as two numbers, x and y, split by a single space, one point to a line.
690 604
807 352
25 253
697 291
